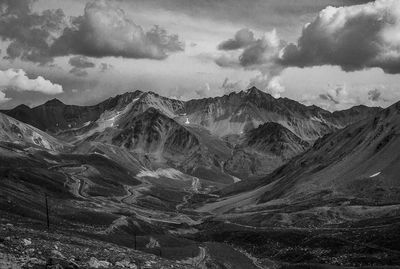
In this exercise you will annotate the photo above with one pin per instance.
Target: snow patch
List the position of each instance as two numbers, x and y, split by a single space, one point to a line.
40 141
316 119
187 121
374 175
236 179
120 222
160 172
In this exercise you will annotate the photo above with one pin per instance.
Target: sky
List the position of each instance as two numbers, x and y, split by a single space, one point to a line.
331 53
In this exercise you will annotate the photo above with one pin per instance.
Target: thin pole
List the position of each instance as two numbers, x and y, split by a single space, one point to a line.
135 240
47 212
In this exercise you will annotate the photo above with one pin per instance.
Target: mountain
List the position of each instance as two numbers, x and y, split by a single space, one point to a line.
222 138
346 176
54 115
231 114
237 113
239 181
261 150
14 131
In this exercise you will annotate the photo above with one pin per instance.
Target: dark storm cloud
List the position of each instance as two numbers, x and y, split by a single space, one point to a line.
28 32
353 38
105 30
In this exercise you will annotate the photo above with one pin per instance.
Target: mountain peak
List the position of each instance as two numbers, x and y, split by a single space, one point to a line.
22 107
54 102
253 90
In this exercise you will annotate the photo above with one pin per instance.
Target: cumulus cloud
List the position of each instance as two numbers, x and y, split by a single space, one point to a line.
260 54
19 81
3 97
105 30
242 38
351 37
354 38
257 53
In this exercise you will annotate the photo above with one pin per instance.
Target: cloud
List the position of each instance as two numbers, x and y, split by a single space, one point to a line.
203 91
266 83
275 87
229 60
257 53
19 81
30 34
105 30
242 38
374 95
81 62
260 54
256 14
228 86
337 98
104 67
79 72
354 38
3 98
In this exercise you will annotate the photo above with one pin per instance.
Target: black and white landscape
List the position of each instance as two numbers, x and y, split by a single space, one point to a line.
270 137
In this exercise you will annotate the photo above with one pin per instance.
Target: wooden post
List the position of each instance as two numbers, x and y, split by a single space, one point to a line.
47 212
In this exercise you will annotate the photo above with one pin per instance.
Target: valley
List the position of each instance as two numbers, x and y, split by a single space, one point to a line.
244 180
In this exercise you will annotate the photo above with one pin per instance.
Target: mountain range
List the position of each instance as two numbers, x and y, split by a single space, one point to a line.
183 175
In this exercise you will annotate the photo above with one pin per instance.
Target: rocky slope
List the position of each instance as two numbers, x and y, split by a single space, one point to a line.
263 149
237 113
54 115
14 131
346 176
